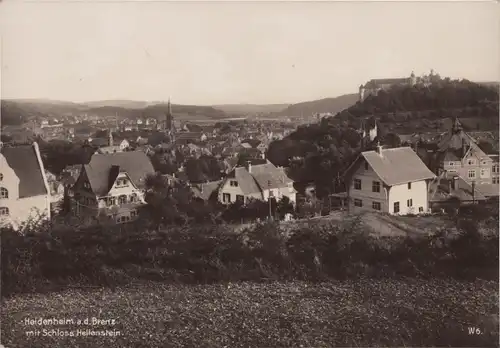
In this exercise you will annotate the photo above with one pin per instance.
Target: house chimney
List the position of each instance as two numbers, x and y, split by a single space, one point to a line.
464 147
379 148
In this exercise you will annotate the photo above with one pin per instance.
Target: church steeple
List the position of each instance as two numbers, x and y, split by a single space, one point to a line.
169 118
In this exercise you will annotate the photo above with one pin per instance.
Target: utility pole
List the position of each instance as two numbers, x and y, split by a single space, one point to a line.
269 199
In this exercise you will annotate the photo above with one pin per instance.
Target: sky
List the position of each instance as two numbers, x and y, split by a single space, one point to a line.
233 52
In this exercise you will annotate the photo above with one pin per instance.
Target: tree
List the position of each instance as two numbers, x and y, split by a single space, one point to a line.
284 207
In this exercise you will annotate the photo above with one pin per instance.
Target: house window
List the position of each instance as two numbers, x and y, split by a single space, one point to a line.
1 177
121 182
240 198
485 173
409 186
4 211
420 209
396 207
133 198
122 199
111 201
367 166
358 202
357 184
495 180
271 193
376 186
495 168
452 164
233 183
376 205
409 202
226 198
472 174
133 214
471 162
4 193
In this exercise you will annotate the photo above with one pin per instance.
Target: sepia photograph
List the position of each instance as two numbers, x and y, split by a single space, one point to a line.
249 174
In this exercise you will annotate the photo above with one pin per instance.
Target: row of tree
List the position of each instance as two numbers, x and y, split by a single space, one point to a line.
174 204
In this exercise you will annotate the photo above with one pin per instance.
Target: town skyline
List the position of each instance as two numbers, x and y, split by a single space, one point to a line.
229 53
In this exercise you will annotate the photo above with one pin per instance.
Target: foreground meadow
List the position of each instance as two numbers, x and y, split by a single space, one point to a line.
361 312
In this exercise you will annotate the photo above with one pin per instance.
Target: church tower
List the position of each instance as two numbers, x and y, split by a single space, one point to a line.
169 118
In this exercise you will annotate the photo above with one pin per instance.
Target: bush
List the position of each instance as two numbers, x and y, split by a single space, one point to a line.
51 258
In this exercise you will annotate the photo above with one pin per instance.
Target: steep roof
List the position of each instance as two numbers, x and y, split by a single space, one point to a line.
456 139
439 189
206 190
24 162
397 166
135 163
260 177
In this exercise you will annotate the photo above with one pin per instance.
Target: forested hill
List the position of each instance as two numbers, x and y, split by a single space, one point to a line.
17 112
320 152
331 105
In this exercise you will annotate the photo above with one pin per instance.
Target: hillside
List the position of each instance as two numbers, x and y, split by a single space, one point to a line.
17 112
318 152
331 105
129 104
245 109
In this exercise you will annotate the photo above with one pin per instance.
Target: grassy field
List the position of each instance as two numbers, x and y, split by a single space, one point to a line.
358 312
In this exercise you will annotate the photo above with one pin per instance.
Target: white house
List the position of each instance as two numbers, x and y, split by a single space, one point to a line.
259 181
24 191
394 181
111 186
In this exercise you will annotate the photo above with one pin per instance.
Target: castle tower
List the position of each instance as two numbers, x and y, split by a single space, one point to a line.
361 92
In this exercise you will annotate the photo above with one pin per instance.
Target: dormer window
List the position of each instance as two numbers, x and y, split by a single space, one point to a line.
121 182
233 183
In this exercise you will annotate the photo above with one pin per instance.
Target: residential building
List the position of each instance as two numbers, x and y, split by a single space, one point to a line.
112 185
458 154
393 181
24 190
111 147
259 181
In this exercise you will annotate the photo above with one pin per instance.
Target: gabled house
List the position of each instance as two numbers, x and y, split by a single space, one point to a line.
24 190
112 185
260 181
393 181
459 154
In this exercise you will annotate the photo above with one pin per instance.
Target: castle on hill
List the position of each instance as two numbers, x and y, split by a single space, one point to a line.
373 86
